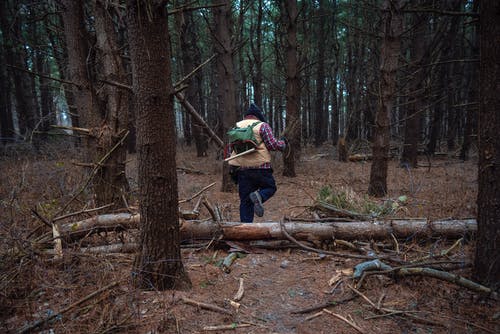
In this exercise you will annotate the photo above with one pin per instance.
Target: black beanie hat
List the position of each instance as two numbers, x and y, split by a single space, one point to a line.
254 110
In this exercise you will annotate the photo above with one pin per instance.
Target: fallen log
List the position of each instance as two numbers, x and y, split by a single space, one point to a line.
327 231
102 223
299 230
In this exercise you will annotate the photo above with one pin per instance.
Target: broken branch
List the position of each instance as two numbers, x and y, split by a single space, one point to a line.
350 323
206 306
197 194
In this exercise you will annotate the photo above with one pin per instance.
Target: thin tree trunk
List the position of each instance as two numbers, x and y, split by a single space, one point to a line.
391 49
113 186
60 52
190 58
6 119
472 98
292 89
409 156
85 100
256 47
226 94
158 264
336 96
46 106
321 128
15 55
487 261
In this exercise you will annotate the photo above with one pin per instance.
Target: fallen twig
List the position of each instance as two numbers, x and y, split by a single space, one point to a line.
413 270
58 248
313 316
323 305
226 327
344 213
211 210
351 323
206 306
198 193
239 294
449 277
81 212
444 252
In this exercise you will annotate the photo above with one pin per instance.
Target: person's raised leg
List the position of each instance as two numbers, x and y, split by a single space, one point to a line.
245 187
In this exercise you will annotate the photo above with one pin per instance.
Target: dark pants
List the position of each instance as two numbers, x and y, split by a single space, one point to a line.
250 180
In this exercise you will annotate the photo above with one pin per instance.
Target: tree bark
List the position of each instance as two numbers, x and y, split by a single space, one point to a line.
391 49
191 57
472 96
192 229
15 55
113 185
409 156
226 94
292 89
256 47
6 119
84 100
336 97
158 264
487 261
321 126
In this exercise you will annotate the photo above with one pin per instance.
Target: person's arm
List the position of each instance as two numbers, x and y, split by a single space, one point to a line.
272 144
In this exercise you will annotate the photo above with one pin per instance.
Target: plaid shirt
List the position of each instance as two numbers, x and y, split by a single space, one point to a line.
272 144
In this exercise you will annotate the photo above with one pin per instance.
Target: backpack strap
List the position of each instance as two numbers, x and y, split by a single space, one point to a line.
253 125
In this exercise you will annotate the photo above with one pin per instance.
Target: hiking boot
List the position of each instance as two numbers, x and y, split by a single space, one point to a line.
257 203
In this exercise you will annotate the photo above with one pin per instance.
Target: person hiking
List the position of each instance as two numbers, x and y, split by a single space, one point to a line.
255 179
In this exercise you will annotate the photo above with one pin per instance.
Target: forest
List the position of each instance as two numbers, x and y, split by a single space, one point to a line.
118 210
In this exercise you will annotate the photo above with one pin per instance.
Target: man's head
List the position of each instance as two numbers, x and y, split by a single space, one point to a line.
255 111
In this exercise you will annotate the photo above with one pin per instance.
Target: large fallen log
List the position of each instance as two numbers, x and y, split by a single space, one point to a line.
272 230
327 231
102 223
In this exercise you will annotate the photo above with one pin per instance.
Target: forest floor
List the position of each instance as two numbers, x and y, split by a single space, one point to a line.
277 282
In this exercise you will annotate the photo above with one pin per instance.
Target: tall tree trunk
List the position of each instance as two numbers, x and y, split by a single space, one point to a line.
191 57
105 121
256 47
321 126
437 116
42 66
389 54
226 94
242 98
15 55
85 100
60 52
292 89
472 96
6 119
158 264
455 75
409 156
335 123
114 104
487 261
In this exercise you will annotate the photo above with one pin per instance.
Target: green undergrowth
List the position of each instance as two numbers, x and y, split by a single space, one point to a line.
344 198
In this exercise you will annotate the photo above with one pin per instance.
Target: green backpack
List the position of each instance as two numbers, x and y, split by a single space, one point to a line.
242 139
